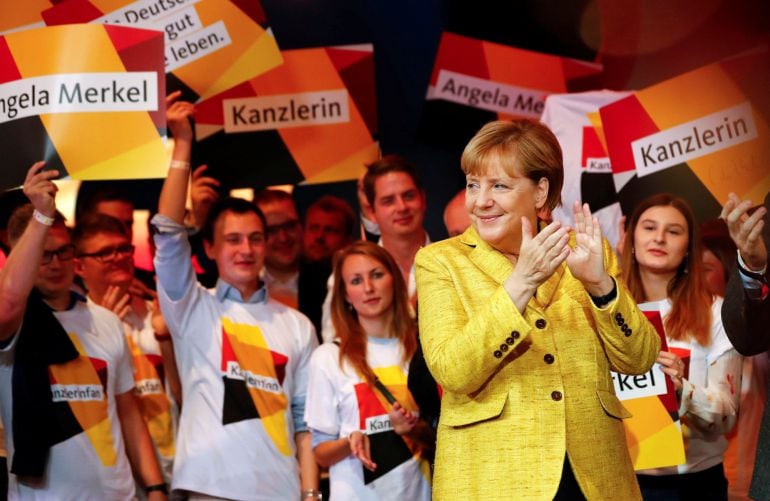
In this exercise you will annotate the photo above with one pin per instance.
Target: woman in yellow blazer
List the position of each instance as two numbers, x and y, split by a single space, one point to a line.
521 329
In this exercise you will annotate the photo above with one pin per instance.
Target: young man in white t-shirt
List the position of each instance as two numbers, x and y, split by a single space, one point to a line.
104 259
242 357
78 425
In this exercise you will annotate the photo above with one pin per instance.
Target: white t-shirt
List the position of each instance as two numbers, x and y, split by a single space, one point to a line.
710 395
156 402
340 402
91 462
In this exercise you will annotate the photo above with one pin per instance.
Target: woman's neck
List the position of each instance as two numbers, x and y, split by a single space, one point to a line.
656 284
376 327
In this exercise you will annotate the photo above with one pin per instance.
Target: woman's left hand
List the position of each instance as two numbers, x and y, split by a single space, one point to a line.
673 366
586 260
403 420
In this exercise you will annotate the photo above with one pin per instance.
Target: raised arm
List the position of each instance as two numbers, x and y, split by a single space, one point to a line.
18 275
174 192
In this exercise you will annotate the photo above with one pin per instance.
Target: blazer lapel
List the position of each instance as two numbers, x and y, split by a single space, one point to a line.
487 259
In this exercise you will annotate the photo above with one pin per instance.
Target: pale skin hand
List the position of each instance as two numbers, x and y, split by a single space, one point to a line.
117 301
403 420
138 289
746 231
203 193
360 448
586 260
177 117
673 366
40 190
621 235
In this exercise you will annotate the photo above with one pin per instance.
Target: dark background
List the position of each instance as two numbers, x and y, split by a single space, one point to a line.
639 42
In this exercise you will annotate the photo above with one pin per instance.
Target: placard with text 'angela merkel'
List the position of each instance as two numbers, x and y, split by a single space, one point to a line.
654 430
313 119
100 115
699 135
475 81
210 45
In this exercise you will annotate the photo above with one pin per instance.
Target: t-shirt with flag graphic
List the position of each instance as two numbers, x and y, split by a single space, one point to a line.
340 402
88 462
156 403
242 365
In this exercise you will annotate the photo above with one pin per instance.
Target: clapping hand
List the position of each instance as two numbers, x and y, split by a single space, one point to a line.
586 260
746 231
541 254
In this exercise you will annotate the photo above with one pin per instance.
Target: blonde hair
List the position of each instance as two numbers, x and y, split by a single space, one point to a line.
523 147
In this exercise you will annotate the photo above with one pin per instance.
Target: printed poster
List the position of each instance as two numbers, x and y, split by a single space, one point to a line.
211 45
475 81
574 120
311 120
100 115
18 16
699 135
654 432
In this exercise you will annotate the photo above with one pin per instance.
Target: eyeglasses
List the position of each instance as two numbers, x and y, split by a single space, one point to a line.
289 226
109 254
64 253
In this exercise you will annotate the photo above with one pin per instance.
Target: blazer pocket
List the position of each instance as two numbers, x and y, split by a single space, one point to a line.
471 411
612 405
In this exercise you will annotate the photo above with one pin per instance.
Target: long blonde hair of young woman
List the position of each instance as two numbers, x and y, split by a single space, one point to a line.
690 315
345 318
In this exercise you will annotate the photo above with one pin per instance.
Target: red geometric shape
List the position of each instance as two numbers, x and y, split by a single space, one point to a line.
210 111
123 37
8 69
342 58
71 12
461 55
625 121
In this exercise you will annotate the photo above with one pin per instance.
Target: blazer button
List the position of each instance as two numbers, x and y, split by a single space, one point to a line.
556 395
624 328
515 334
618 317
503 347
629 332
498 354
509 340
548 358
540 323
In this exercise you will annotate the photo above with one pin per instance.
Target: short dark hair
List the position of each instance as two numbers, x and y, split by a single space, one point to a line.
21 217
269 195
229 204
330 203
108 193
93 224
386 165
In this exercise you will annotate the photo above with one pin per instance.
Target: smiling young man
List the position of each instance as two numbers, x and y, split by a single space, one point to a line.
105 262
77 426
242 357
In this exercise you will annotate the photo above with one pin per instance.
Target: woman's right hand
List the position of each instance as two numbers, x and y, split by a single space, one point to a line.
541 254
673 366
360 448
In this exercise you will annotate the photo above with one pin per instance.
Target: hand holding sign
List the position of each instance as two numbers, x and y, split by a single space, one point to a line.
673 366
40 190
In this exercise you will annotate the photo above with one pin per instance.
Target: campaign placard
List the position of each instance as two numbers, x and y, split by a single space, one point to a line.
475 81
700 135
654 432
574 120
100 115
311 120
210 45
19 16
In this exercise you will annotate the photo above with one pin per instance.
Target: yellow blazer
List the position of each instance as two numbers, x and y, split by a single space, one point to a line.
520 390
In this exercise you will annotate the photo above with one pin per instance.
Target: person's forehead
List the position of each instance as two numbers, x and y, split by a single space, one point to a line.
283 209
320 216
57 236
393 183
103 239
232 222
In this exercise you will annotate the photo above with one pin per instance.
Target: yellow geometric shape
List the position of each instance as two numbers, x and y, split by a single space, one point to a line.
349 168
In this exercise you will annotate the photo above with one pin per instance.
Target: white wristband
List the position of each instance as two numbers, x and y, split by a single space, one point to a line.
179 164
42 218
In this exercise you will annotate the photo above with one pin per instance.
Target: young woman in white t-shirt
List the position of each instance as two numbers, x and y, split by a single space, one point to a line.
365 424
662 263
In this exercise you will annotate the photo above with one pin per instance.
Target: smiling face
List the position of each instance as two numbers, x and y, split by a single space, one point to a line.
54 279
238 247
399 205
284 235
368 286
661 240
100 273
496 201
